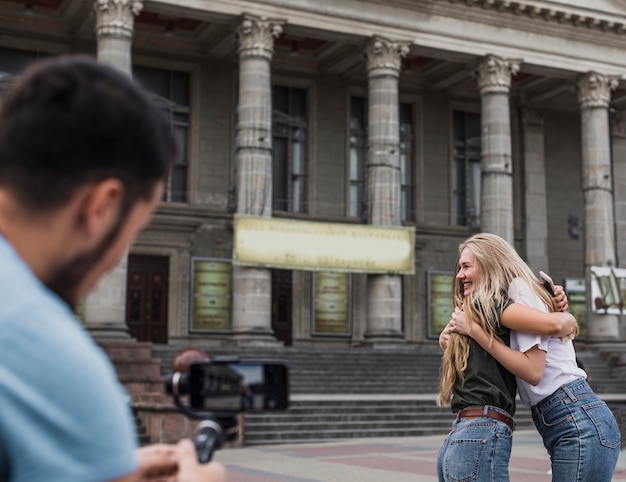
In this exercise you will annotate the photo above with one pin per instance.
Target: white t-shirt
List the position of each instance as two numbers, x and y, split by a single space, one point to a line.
561 367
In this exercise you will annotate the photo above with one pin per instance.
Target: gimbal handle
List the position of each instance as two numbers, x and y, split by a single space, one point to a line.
213 430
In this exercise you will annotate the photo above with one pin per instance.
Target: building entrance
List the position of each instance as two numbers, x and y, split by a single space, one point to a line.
146 297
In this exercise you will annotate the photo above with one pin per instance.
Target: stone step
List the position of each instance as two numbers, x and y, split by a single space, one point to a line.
387 386
337 419
130 350
138 388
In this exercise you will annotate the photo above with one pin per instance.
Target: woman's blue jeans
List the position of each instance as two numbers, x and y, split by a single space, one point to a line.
579 432
478 450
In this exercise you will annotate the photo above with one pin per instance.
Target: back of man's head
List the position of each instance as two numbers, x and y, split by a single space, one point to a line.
69 121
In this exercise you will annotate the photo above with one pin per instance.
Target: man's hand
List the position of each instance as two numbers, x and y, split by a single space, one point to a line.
189 470
176 463
157 463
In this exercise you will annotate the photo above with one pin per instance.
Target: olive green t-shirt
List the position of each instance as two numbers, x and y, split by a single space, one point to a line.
486 382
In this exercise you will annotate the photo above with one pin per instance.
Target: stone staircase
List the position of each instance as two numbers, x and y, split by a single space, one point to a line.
138 371
347 393
606 371
344 418
335 393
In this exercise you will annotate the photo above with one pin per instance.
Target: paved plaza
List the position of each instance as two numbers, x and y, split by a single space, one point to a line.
405 459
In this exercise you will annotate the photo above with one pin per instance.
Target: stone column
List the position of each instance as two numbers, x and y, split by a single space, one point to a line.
115 21
594 94
105 306
496 194
384 304
536 222
252 295
619 183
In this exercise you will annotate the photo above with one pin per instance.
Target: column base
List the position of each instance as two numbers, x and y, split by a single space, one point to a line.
384 339
255 338
602 328
109 331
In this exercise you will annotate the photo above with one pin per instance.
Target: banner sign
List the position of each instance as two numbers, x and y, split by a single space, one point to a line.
331 303
440 303
307 245
210 295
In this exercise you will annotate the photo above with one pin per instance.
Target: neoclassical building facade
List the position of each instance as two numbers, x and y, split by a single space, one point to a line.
449 117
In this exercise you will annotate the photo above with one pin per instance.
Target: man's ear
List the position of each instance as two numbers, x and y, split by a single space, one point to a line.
101 207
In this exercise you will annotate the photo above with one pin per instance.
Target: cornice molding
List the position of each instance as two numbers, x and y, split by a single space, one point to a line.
574 17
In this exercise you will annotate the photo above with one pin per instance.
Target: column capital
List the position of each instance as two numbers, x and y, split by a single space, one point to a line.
594 89
532 117
384 56
494 74
256 36
116 18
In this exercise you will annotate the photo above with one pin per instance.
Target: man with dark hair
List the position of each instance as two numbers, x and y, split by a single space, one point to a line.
83 160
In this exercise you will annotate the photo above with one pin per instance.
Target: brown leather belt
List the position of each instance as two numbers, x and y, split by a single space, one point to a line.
475 412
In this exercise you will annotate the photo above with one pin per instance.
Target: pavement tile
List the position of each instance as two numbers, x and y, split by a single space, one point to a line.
403 459
391 464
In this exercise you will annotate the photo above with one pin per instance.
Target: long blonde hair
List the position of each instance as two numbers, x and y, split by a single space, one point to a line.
497 265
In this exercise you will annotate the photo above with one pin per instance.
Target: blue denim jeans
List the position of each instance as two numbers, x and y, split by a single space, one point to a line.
477 450
579 432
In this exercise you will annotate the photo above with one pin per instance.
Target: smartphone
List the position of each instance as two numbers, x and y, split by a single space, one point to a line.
238 386
547 282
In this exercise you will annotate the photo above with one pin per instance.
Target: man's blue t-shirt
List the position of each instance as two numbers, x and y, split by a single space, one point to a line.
64 417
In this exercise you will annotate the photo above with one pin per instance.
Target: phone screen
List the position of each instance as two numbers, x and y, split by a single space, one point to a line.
235 387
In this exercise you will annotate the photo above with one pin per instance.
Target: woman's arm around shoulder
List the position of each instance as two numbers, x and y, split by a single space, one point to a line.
531 320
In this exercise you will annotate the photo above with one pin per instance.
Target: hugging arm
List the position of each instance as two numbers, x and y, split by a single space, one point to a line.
528 365
520 317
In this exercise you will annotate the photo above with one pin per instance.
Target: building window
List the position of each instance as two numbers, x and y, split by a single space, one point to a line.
406 161
466 169
358 158
289 149
170 91
13 62
357 201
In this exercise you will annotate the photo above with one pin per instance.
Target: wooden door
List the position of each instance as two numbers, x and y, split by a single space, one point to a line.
146 297
282 304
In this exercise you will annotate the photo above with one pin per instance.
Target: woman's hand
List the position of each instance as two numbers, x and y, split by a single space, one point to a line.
560 298
459 324
444 337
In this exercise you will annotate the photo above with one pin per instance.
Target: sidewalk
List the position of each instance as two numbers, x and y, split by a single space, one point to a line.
405 459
